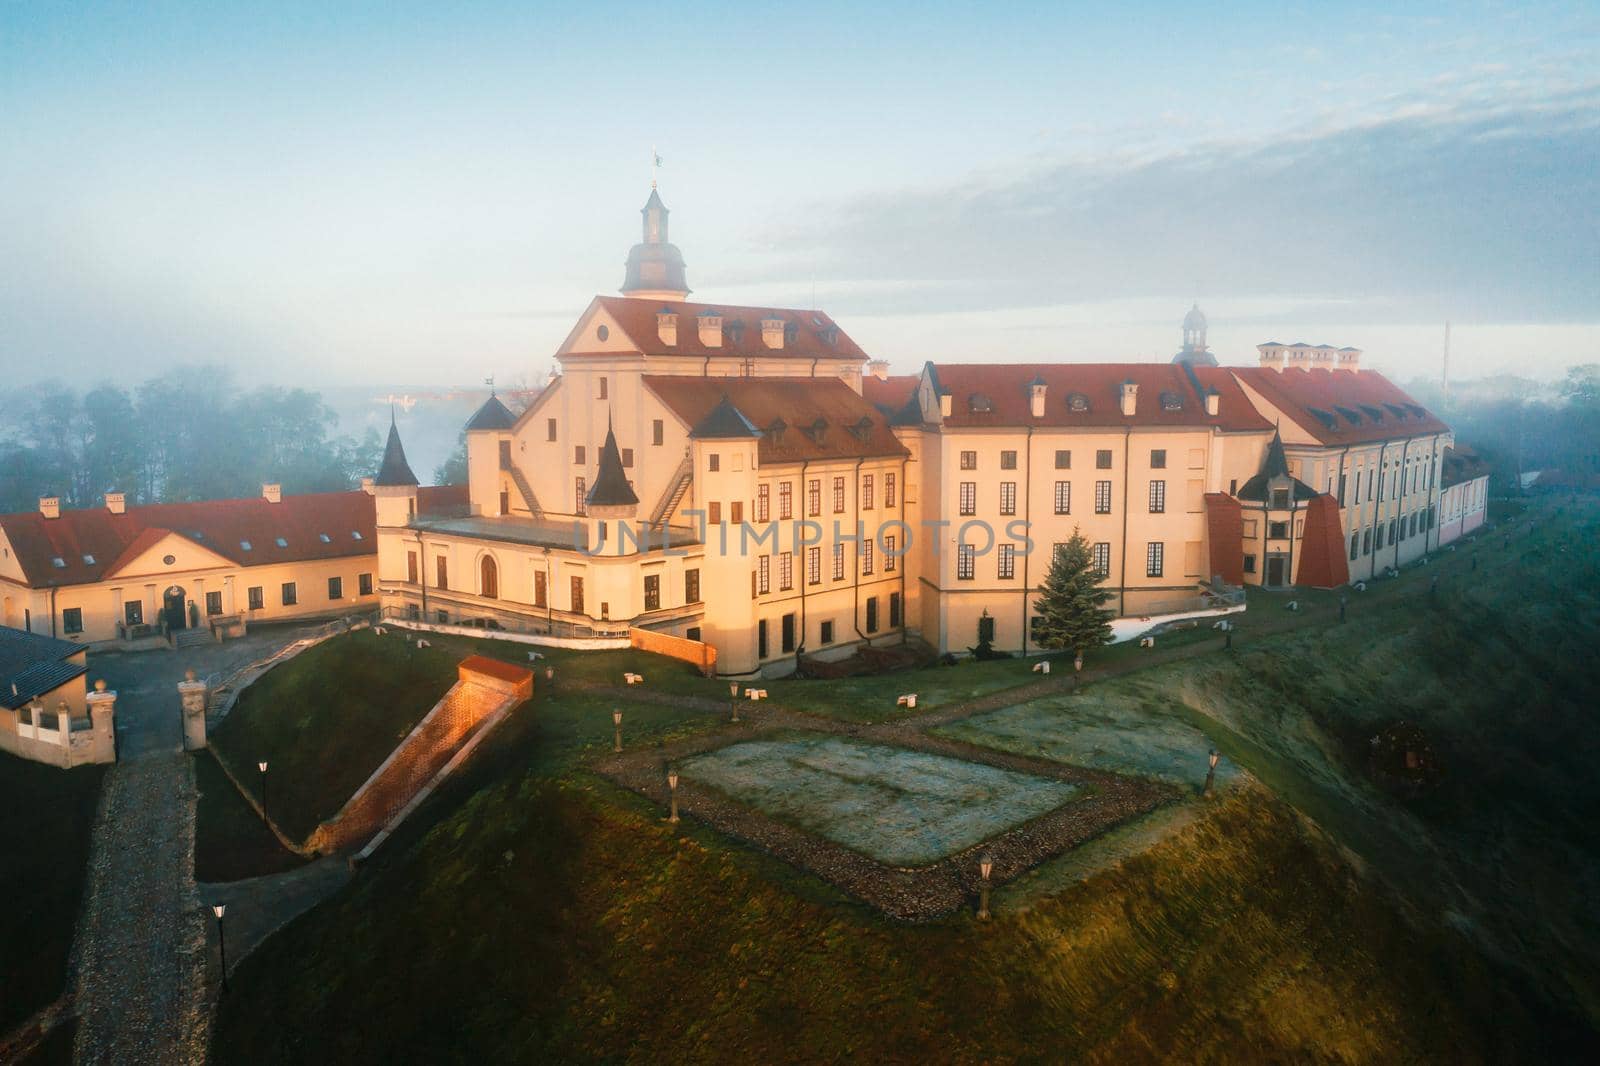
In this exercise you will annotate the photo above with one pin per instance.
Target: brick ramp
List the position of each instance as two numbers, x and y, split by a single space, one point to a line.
485 691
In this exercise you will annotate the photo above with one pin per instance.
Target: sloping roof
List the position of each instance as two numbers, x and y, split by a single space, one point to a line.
1274 465
1224 538
799 418
611 488
31 665
1461 464
637 318
1323 563
394 470
725 422
1341 406
889 394
91 542
492 415
1005 387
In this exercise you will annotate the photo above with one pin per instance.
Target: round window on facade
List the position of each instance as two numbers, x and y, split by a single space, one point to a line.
169 559
603 332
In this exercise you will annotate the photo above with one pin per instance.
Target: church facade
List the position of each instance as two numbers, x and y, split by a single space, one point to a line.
745 477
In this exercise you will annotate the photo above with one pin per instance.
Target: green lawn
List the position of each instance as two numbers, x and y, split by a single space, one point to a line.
231 842
44 851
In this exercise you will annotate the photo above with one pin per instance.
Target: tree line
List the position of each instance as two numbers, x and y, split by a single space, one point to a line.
189 434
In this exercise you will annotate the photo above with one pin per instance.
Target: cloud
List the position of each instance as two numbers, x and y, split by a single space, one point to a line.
1484 209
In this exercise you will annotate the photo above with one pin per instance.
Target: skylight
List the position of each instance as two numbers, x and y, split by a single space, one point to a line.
59 563
88 560
355 534
244 545
324 538
280 542
979 404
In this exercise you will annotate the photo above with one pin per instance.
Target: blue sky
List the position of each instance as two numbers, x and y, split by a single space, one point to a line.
430 193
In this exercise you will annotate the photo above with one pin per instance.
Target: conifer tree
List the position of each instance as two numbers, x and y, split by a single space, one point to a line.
1071 603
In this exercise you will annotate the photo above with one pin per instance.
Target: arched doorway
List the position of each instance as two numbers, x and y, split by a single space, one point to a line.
172 611
488 578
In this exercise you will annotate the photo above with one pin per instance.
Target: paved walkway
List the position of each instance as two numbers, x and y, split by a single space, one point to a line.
144 957
260 906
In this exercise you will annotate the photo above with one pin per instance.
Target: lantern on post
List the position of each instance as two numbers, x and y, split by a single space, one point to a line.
733 700
985 869
1211 773
616 722
672 791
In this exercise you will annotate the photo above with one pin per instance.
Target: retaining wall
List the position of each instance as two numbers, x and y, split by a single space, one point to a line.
702 655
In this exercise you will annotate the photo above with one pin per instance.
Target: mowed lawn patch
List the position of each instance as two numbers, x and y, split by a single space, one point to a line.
44 853
326 719
231 842
903 808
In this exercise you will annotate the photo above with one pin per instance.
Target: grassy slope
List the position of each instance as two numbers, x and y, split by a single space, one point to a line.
44 850
230 840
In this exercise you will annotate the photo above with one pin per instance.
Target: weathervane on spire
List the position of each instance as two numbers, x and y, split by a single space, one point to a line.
489 381
655 164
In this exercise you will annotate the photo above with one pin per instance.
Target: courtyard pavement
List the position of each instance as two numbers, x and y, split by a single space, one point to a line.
143 959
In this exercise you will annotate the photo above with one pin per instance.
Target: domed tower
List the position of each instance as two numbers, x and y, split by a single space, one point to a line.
655 266
1194 340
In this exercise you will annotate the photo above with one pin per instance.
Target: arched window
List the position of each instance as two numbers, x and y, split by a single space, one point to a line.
488 578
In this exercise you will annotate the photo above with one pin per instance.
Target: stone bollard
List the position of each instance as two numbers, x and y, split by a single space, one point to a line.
102 707
193 695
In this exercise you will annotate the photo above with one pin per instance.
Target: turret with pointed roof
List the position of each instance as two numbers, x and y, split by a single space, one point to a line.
655 266
724 422
493 415
611 495
394 470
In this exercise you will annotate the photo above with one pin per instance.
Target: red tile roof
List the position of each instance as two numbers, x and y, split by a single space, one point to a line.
1461 464
797 403
637 318
891 393
1099 385
1341 406
221 526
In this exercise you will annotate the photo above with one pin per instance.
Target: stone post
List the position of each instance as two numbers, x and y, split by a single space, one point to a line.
102 713
193 695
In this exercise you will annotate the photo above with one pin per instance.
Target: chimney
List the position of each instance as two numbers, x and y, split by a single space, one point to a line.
710 329
944 404
1213 399
116 502
772 331
1271 355
50 506
667 326
272 492
1036 397
1350 359
879 368
367 486
1130 398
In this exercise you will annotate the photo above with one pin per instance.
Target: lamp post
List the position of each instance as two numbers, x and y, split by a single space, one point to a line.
1211 773
672 791
616 721
985 869
1344 601
733 699
262 766
222 943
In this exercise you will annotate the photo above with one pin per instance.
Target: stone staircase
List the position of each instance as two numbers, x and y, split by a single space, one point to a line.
190 638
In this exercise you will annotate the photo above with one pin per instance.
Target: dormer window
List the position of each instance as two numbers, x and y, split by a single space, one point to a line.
1171 401
862 430
735 332
791 333
1350 416
59 563
244 546
280 542
355 534
829 335
979 404
775 431
324 538
1077 401
88 560
1373 413
817 430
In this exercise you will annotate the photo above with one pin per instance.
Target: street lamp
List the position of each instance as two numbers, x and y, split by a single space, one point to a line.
985 869
262 766
1211 773
616 721
733 699
672 790
222 943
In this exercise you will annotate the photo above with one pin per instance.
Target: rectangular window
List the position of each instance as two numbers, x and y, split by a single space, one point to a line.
813 498
714 513
288 593
658 432
257 598
411 567
965 564
872 614
1355 545
652 592
213 603
549 429
866 556
541 589
969 497
1158 497
1101 559
1341 493
1277 531
1280 499
785 501
888 490
335 588
763 502
602 389
1102 497
825 633
785 571
580 496
763 575
713 462
133 611
1102 459
1249 564
627 457
1154 553
838 495
1008 460
1366 542
1063 459
838 560
505 502
441 573
578 454
890 559
866 492
575 591
813 566
1063 497
1008 562
788 633
969 460
1008 497
72 617
1158 458
894 610
364 584
691 585
1250 527
736 513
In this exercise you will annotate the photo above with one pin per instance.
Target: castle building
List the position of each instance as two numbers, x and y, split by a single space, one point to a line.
743 476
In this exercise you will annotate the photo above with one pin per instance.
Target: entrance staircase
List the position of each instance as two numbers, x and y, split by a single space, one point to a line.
674 493
528 498
190 638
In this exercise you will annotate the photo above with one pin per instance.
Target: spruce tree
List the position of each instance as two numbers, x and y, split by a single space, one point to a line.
1071 614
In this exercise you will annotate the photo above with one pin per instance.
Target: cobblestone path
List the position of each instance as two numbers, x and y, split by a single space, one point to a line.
140 959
